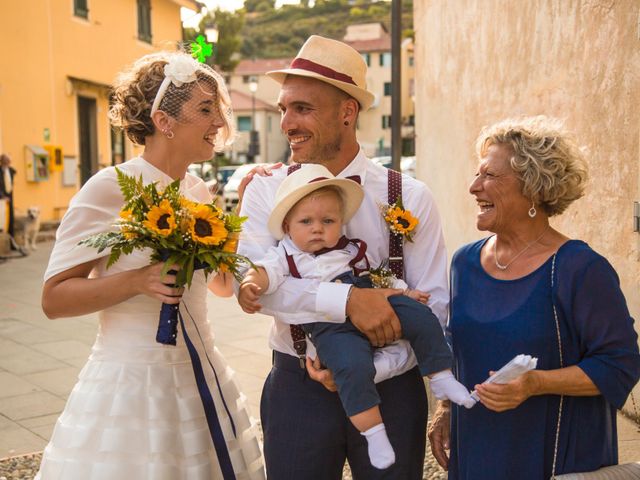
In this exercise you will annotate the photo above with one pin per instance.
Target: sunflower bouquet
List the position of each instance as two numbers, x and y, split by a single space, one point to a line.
178 231
400 221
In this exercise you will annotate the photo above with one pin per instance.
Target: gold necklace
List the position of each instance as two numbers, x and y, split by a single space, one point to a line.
495 250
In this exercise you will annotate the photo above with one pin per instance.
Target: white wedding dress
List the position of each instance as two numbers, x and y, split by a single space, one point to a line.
135 412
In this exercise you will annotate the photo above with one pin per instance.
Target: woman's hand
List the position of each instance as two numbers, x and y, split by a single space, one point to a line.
261 171
439 430
249 296
506 396
152 283
319 374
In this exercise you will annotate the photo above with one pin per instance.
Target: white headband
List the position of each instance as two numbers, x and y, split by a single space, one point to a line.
180 69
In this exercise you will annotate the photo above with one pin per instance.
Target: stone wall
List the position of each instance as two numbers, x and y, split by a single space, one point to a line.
479 61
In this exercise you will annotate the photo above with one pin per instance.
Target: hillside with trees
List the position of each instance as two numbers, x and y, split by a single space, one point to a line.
277 33
259 30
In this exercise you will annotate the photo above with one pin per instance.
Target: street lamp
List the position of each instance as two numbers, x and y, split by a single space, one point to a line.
212 33
254 141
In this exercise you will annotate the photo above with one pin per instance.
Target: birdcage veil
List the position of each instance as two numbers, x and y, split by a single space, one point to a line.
185 79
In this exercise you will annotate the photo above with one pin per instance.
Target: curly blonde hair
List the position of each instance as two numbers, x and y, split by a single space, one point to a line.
545 157
136 87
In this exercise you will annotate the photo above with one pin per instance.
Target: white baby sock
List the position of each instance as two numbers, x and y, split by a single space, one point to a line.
444 385
381 452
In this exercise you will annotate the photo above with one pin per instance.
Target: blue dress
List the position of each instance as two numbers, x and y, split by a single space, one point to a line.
493 320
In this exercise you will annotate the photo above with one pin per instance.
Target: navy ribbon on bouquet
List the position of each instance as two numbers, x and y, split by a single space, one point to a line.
219 442
167 333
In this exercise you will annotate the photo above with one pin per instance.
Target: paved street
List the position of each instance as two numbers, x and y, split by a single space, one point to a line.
40 358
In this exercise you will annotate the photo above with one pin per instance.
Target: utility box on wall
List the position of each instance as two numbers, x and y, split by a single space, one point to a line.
36 162
56 158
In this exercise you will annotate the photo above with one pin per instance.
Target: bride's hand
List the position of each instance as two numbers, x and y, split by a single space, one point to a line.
152 283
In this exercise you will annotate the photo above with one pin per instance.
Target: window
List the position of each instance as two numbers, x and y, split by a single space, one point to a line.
246 78
244 124
411 60
367 58
80 8
387 89
144 20
269 123
386 121
385 59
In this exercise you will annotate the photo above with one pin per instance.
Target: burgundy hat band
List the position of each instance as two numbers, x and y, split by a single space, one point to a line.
304 64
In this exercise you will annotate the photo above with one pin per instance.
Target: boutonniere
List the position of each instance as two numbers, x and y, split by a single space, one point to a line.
382 276
399 220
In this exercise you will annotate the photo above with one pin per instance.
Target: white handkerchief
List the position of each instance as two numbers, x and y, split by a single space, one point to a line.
516 367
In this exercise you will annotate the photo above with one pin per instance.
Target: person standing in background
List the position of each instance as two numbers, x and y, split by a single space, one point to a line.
6 188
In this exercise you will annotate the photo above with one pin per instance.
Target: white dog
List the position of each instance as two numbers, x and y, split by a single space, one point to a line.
30 228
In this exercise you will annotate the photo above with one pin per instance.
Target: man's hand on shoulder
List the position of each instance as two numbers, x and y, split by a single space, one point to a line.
371 313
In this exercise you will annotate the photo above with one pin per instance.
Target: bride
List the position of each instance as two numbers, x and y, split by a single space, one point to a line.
136 411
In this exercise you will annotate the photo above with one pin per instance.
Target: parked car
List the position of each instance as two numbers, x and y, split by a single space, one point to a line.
407 164
230 190
205 172
384 161
224 174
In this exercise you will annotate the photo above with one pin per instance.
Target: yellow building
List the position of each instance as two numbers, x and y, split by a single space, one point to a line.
58 59
374 126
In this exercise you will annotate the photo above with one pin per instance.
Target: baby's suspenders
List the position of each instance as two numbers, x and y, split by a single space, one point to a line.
396 259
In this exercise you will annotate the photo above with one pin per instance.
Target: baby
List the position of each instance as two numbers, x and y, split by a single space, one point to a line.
311 208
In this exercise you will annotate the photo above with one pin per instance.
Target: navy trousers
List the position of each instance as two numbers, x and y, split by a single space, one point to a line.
307 435
345 351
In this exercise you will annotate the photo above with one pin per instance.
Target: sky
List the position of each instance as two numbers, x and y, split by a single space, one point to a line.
190 19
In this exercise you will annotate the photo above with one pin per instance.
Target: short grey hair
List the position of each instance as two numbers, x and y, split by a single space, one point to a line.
546 158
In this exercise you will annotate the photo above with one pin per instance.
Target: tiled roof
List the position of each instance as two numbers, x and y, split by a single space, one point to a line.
382 44
242 101
260 66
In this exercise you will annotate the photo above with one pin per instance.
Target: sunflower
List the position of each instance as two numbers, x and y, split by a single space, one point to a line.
126 214
206 227
231 245
161 219
401 221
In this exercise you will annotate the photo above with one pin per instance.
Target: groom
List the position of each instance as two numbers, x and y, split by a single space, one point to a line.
306 432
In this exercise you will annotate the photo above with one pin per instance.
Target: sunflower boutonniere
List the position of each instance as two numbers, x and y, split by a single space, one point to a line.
179 231
399 220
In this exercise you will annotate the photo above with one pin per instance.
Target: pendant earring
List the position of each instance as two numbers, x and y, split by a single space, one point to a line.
532 210
346 123
169 134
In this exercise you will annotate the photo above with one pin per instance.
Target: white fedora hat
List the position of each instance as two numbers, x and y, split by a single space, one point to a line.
333 62
307 179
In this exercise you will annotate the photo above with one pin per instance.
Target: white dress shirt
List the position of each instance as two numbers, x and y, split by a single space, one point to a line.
298 301
323 267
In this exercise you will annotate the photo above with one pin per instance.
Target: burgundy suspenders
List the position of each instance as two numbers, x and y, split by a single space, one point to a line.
396 259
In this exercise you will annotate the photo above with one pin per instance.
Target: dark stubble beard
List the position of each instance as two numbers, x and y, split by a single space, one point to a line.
325 153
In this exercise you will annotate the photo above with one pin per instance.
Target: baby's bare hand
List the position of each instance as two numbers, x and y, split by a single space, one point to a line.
419 295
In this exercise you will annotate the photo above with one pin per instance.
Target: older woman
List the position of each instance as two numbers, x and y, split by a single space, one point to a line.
505 289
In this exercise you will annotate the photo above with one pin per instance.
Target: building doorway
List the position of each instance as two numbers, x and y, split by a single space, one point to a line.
88 138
